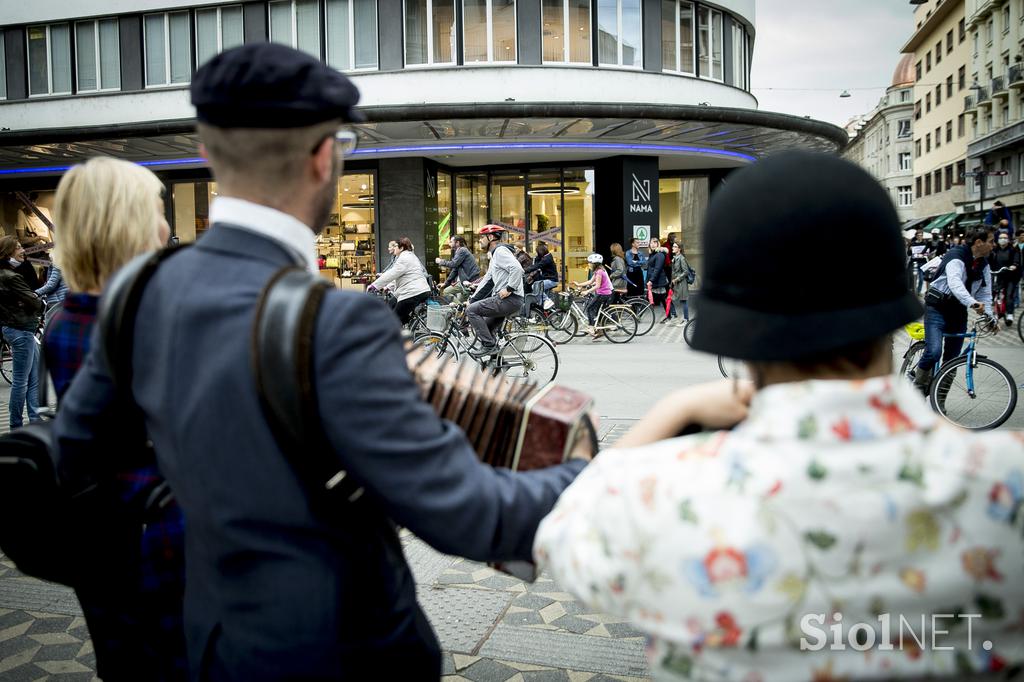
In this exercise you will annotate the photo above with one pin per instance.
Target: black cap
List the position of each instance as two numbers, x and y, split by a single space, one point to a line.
782 278
266 85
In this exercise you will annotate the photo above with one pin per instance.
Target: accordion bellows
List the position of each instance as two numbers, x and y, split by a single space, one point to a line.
510 423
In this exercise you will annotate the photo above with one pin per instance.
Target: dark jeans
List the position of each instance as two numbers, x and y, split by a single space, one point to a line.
405 308
594 306
677 304
25 382
951 319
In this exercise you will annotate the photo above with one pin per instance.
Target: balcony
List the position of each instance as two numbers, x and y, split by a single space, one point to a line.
1016 76
970 104
999 87
984 96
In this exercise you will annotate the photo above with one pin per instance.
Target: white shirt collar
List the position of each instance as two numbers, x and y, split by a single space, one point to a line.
286 230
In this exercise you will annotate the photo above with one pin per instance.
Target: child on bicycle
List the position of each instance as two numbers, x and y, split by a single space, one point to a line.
601 287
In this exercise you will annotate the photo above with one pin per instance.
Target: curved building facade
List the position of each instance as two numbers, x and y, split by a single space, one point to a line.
574 122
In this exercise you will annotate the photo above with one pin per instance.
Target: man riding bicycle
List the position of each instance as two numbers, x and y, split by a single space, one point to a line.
500 292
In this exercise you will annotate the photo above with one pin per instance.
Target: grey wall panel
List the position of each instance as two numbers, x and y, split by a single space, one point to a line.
389 35
727 25
16 63
254 17
132 68
402 205
529 32
652 35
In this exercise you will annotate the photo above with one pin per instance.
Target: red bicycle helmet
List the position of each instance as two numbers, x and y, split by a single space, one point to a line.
492 229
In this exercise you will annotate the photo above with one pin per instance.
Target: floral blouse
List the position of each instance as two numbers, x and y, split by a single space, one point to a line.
842 531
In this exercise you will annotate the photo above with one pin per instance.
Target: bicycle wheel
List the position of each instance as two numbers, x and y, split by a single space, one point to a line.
688 330
644 312
441 345
6 361
529 357
619 323
1020 329
910 360
562 327
990 403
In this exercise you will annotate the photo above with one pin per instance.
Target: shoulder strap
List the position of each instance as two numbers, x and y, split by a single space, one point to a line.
282 358
117 310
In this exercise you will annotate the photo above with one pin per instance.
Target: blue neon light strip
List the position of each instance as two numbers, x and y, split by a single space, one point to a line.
468 147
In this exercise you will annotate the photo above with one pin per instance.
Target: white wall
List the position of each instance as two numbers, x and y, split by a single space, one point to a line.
31 11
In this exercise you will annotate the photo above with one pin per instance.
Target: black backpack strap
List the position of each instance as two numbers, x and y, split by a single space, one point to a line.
283 366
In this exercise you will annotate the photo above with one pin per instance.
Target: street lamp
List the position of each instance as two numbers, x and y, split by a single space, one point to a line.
844 94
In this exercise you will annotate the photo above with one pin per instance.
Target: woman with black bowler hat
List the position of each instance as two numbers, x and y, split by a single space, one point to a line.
836 498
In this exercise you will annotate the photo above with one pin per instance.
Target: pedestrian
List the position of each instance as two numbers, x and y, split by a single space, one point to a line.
52 293
964 281
406 279
936 245
1006 255
832 503
657 276
462 268
20 312
542 275
917 250
618 273
111 211
500 293
1000 218
284 583
680 283
599 288
636 263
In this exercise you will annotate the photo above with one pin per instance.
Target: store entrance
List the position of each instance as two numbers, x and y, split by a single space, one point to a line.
347 246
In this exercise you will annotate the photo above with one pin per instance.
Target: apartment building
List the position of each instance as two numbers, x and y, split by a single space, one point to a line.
882 141
995 105
941 54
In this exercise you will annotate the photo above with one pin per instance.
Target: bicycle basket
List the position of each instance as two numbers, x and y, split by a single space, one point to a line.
915 330
437 317
564 302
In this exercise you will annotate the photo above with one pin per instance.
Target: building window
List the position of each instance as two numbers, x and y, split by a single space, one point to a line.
938 53
917 71
488 31
1004 165
938 95
961 169
619 33
678 51
904 196
917 149
961 76
49 59
1020 165
167 48
938 181
296 23
927 143
960 125
904 96
709 43
566 31
928 61
949 132
903 128
975 41
928 103
917 110
352 34
949 176
97 55
989 30
961 30
904 161
949 41
3 69
739 57
217 30
917 187
949 86
1006 19
927 184
938 137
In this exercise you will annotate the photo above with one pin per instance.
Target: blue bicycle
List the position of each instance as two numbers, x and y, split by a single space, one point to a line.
970 390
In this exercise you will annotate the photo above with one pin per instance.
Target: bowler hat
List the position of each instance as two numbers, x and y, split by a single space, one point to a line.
802 255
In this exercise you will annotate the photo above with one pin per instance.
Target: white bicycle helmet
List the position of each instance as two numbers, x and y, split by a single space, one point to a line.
595 258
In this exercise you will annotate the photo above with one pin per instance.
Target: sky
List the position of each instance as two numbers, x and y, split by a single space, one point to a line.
808 51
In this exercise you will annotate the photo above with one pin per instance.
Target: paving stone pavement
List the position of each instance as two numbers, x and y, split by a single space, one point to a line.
492 627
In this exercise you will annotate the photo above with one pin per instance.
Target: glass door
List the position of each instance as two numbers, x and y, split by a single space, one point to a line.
508 205
544 190
579 223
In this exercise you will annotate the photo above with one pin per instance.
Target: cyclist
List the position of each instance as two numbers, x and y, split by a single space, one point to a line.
1006 255
408 279
601 287
500 293
964 281
461 268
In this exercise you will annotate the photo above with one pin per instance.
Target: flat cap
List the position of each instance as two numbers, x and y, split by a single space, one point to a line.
267 85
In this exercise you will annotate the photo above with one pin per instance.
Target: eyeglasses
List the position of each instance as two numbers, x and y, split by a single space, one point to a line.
347 142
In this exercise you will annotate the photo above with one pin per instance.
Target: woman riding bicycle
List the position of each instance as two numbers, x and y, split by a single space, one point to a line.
601 287
406 278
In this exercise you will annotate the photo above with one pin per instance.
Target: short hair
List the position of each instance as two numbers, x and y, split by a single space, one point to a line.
997 203
404 243
1020 233
8 245
982 233
542 248
105 214
856 356
267 161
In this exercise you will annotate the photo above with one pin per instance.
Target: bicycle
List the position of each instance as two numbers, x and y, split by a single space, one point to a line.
521 356
999 297
644 312
617 322
969 390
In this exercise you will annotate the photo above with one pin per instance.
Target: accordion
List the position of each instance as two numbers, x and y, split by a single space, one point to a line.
510 423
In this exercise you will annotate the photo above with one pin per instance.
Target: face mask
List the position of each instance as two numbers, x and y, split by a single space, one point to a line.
1004 242
14 261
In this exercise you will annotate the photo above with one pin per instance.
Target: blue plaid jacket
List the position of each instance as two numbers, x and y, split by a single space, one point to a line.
140 637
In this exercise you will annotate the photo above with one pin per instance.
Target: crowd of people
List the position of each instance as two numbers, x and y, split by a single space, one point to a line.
825 488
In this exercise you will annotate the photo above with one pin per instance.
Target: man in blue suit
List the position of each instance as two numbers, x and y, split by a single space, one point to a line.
277 588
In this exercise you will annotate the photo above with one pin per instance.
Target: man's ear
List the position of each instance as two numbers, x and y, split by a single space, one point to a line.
323 159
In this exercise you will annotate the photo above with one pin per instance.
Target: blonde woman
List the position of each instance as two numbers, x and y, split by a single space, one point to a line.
107 212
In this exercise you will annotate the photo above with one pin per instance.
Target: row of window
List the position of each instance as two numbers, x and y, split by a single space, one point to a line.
932 183
84 56
960 132
961 37
1005 25
961 83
